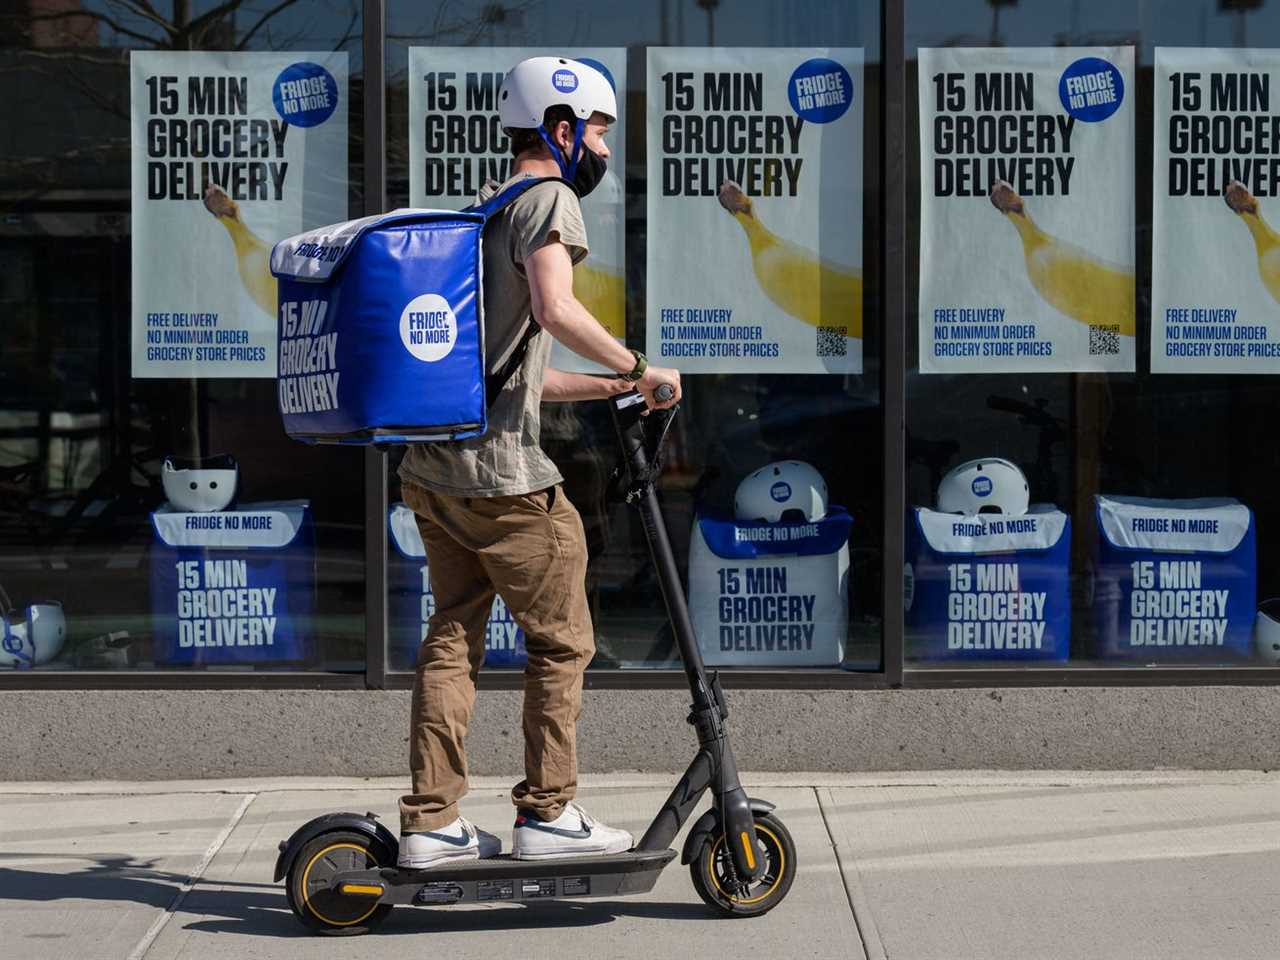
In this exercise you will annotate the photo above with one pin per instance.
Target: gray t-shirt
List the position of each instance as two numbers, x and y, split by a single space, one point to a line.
507 459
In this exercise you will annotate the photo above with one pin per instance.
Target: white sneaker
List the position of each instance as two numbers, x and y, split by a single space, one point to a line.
575 833
456 841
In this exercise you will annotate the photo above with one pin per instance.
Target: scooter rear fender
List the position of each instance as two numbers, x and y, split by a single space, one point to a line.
365 823
707 827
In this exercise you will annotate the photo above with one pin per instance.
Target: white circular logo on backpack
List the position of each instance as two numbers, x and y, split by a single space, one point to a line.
428 327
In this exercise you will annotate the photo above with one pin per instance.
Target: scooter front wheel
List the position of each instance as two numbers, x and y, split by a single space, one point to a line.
312 896
716 881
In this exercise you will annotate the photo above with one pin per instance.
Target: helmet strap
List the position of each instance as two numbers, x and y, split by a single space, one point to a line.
567 170
13 645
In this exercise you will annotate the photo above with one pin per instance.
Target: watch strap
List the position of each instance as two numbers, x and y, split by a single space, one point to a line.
636 372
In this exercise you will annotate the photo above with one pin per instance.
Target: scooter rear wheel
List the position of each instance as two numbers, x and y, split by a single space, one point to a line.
716 883
311 895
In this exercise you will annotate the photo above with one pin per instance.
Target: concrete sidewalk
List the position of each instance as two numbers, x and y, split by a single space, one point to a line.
980 866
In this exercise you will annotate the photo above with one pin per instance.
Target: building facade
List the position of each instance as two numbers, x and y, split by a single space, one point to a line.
975 306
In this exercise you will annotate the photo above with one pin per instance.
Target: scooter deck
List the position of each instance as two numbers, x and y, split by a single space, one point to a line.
501 878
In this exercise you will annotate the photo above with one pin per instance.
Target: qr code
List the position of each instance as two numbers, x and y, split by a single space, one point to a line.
832 342
1104 339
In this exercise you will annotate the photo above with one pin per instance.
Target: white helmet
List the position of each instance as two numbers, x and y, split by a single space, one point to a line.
202 485
986 485
1266 632
788 490
533 85
32 637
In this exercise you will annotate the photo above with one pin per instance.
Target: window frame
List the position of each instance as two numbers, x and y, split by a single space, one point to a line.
893 673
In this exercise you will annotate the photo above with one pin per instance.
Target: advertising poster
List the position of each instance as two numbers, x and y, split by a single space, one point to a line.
755 209
456 144
1215 297
1026 210
231 152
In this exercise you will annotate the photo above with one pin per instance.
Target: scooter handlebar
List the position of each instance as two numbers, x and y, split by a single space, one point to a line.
664 392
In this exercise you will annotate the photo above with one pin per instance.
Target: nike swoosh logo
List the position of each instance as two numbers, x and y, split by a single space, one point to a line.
532 824
461 841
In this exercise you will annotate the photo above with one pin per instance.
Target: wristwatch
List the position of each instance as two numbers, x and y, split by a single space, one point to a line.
636 372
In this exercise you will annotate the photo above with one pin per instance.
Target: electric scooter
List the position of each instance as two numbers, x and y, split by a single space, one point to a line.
340 869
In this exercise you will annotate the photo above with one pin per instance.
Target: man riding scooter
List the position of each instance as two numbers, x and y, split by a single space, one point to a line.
491 510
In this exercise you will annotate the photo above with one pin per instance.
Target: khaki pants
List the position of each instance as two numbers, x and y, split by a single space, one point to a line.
532 551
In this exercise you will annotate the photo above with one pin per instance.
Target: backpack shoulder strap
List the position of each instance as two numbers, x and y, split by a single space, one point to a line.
495 204
494 382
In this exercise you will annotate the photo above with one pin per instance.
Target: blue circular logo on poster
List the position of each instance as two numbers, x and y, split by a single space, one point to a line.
597 65
305 94
982 486
780 491
566 81
1091 89
820 90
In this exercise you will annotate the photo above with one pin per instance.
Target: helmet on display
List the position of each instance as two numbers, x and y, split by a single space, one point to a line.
986 485
202 485
787 491
534 85
32 636
1266 632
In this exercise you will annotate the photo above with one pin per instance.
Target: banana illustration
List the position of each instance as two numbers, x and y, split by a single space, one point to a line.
1070 280
1265 240
813 290
253 257
600 290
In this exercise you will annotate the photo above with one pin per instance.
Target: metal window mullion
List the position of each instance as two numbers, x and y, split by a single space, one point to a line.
373 155
894 361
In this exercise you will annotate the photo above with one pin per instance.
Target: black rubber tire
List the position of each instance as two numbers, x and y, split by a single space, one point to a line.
326 912
775 844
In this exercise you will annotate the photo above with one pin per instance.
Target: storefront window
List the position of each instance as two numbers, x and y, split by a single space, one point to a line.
1091 348
737 238
152 512
1092 343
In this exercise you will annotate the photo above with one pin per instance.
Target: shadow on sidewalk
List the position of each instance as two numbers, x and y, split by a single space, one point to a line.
260 909
464 920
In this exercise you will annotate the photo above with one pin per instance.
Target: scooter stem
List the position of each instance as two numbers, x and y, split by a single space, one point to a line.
714 766
629 422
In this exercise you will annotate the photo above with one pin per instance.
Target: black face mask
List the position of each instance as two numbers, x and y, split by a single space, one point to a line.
590 171
590 168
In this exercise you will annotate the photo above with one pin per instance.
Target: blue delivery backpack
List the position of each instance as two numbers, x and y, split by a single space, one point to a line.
988 587
1176 580
381 327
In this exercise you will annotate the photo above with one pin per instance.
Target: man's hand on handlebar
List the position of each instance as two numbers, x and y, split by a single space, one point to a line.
653 379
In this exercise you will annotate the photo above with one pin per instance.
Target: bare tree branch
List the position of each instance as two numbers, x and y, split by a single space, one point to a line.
212 16
77 56
282 5
350 31
93 14
142 8
472 28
